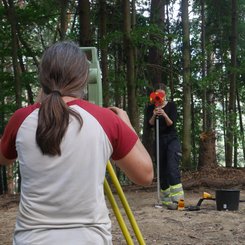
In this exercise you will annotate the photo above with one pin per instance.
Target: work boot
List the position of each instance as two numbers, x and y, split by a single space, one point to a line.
172 206
176 193
166 200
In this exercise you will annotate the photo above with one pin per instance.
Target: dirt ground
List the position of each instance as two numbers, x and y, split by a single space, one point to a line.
166 227
161 226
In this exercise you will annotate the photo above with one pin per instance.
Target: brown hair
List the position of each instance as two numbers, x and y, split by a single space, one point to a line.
63 71
161 86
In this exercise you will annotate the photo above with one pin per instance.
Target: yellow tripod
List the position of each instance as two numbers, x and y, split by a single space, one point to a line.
126 206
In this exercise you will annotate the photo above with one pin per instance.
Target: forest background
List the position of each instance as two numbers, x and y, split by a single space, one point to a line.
195 47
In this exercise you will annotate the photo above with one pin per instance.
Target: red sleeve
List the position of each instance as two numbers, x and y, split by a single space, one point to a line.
120 135
124 141
8 139
9 135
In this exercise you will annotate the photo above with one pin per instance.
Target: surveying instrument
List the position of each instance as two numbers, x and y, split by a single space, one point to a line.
94 95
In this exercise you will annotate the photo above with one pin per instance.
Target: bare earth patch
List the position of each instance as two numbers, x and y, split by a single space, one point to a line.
166 227
161 226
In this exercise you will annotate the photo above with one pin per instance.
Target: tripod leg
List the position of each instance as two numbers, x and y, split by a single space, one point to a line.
125 204
117 213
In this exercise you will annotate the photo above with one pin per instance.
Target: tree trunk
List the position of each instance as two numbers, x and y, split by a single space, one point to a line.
1 182
207 153
63 18
2 116
232 92
11 15
118 67
170 59
129 53
5 180
104 52
30 97
155 59
186 148
241 124
203 44
2 106
84 22
207 149
235 165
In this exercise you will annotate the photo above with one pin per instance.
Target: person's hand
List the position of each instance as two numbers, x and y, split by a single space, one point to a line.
159 112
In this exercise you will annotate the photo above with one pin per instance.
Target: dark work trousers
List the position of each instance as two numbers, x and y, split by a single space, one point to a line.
169 159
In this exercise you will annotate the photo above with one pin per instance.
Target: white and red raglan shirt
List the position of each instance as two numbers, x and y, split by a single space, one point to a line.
62 192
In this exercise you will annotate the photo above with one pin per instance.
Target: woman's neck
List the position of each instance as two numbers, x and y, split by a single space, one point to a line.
68 98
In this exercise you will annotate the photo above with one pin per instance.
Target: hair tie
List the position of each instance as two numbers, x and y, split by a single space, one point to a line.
56 92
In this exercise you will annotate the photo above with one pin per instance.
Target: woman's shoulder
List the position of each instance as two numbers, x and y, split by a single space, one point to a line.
25 111
171 103
150 107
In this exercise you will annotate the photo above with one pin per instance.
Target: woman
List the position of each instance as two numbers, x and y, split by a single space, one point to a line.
169 149
63 144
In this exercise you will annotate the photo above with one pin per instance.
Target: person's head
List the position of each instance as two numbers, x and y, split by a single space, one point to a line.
63 68
63 71
160 87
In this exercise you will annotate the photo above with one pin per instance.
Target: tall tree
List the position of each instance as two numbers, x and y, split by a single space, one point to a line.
207 149
186 147
155 58
130 57
63 18
104 50
232 91
241 123
170 55
85 39
12 18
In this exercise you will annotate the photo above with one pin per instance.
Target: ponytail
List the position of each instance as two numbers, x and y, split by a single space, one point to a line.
53 120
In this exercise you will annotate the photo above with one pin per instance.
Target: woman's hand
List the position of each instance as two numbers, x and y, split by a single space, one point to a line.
159 112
